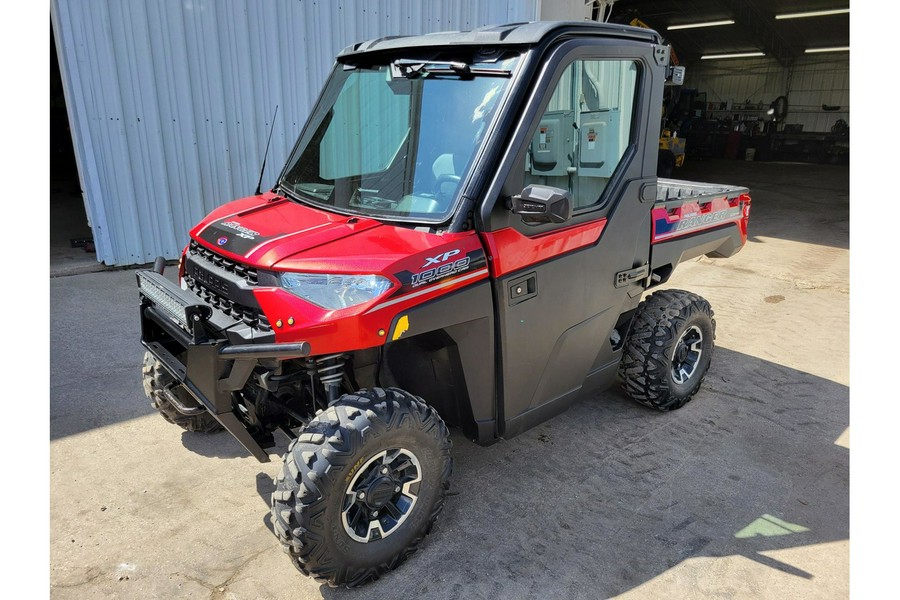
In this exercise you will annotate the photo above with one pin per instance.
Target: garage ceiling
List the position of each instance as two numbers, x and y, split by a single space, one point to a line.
755 28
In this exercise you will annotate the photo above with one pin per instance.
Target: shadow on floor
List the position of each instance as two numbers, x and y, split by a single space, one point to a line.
618 494
801 202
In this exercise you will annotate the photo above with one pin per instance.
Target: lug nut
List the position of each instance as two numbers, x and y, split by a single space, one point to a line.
384 470
362 495
397 489
375 513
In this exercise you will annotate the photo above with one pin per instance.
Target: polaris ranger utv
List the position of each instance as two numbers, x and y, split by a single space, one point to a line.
462 235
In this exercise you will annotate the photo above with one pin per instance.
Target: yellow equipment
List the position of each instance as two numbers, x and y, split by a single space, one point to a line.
667 140
670 141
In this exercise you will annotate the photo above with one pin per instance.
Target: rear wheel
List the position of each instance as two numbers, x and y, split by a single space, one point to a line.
669 349
362 486
165 394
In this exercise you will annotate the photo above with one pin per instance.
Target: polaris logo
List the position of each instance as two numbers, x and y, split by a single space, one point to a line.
436 260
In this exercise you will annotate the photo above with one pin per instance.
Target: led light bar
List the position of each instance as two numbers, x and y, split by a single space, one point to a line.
834 49
175 303
695 25
814 13
735 55
161 298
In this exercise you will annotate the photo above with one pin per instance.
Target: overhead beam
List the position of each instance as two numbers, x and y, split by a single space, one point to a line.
760 26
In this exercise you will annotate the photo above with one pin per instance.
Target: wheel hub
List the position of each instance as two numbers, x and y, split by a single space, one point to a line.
380 492
686 355
381 495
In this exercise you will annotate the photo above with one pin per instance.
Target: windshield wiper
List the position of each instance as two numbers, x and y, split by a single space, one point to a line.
412 69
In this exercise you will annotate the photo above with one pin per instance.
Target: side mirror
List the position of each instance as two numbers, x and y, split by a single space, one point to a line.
542 204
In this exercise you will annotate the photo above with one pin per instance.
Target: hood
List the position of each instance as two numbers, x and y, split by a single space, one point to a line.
270 232
263 230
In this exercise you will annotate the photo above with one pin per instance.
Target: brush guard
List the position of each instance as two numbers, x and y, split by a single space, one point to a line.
174 323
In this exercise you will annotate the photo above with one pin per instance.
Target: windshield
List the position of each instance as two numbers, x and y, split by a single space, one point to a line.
396 142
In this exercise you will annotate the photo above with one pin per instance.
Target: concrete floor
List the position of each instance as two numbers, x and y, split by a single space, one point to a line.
68 222
741 494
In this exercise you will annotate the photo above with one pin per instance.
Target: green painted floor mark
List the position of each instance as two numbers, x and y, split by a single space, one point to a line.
769 526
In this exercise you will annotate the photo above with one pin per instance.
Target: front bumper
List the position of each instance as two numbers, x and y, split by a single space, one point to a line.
189 338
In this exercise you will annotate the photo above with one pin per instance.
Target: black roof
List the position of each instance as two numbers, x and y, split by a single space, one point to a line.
512 34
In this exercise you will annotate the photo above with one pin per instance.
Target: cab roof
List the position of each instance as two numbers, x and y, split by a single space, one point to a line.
511 34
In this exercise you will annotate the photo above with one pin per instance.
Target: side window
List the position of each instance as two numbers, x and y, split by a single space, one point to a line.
585 130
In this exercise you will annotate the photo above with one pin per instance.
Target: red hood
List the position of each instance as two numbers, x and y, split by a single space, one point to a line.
268 231
263 230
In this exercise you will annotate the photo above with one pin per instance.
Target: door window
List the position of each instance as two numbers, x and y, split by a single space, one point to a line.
583 134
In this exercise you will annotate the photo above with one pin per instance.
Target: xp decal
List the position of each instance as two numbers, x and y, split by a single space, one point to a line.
441 266
436 260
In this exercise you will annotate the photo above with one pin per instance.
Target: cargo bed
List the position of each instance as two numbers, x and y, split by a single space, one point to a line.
677 189
692 219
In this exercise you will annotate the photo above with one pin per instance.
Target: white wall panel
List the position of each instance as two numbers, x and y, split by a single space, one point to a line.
564 10
810 83
170 101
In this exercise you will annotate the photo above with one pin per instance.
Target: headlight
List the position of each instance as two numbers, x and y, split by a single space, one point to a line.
335 291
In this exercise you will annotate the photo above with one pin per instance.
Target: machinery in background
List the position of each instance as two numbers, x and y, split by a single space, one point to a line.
672 149
671 152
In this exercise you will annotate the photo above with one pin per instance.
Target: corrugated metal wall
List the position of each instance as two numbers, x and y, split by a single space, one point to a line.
809 83
170 102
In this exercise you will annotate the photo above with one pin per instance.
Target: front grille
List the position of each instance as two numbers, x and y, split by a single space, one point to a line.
249 315
246 272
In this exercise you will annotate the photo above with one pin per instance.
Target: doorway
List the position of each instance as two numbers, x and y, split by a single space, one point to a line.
71 239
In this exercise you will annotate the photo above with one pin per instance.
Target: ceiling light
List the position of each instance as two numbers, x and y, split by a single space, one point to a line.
834 49
814 13
738 55
707 24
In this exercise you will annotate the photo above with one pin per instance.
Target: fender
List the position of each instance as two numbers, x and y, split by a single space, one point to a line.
443 350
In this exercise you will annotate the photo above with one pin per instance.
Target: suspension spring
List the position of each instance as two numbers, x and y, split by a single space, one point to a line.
331 373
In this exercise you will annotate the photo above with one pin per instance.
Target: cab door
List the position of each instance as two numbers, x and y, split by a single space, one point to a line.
560 288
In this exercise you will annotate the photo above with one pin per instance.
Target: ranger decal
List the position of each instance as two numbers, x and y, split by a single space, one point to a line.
667 226
247 234
232 236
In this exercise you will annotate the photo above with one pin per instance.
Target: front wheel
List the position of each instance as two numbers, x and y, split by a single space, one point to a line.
362 485
669 349
167 395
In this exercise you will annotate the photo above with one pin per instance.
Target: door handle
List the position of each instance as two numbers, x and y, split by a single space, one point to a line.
522 288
